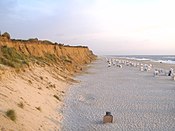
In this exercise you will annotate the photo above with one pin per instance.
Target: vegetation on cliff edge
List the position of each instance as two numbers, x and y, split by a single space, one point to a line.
9 56
12 58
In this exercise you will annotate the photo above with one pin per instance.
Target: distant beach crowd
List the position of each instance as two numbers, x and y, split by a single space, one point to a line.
120 63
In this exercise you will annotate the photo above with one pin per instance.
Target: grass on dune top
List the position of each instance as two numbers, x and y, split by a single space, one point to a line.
9 56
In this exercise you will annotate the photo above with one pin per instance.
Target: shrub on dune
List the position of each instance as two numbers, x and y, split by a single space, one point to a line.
11 114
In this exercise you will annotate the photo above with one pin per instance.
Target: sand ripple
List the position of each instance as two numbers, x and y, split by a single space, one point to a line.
137 100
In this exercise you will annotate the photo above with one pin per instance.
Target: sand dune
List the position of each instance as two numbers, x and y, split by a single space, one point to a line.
35 89
34 75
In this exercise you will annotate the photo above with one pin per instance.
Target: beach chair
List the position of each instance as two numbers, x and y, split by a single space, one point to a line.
108 118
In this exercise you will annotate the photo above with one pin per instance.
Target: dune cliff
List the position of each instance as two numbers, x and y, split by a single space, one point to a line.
34 51
34 76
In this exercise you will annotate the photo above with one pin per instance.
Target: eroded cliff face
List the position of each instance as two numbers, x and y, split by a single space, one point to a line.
34 76
70 58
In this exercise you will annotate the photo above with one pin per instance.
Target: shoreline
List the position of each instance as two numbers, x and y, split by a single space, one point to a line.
169 59
166 66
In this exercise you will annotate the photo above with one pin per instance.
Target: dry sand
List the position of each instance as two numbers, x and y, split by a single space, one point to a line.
137 100
35 89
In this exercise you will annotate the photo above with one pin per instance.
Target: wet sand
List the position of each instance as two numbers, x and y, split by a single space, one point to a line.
137 100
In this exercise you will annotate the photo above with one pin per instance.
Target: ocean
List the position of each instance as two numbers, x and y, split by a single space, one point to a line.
156 58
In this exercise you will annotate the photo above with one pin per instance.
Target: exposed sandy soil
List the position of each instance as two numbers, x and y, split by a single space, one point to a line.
33 88
34 76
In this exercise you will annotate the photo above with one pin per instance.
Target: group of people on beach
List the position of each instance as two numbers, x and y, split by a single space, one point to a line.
143 67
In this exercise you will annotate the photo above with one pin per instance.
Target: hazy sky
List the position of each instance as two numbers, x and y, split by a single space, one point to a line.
106 26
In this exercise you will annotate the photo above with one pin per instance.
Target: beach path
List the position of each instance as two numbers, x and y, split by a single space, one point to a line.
137 100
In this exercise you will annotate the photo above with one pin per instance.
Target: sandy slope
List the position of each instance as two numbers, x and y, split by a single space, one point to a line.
137 100
36 92
35 88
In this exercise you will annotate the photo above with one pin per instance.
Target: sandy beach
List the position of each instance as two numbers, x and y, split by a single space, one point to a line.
137 100
87 65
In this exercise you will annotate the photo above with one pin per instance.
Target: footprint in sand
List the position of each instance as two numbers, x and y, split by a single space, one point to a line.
86 98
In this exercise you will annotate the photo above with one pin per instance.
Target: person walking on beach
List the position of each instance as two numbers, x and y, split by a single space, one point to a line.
170 72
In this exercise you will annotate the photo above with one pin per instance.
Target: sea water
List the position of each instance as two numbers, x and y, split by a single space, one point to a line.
156 58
